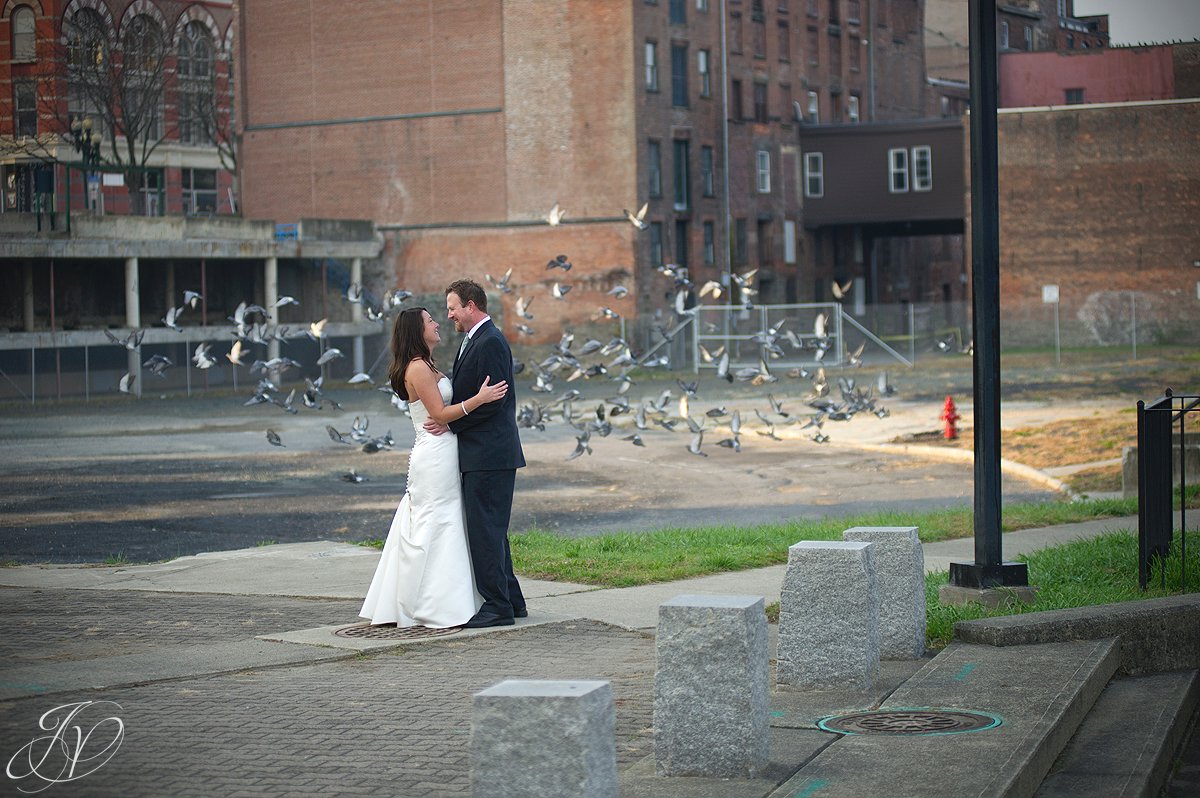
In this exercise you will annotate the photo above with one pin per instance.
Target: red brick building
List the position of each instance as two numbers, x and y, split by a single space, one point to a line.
48 50
457 125
1118 74
1102 201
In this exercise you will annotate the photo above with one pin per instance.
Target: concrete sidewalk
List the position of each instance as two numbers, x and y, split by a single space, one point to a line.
231 681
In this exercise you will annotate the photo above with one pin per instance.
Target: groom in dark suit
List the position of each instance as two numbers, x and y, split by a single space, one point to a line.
489 454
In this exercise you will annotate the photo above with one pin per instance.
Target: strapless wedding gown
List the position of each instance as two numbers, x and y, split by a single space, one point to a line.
424 575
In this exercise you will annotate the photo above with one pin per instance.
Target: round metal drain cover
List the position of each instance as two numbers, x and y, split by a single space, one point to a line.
392 632
910 721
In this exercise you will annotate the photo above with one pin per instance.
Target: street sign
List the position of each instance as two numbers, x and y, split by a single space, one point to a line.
1050 294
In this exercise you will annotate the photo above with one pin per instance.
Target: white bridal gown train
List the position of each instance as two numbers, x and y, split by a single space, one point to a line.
424 575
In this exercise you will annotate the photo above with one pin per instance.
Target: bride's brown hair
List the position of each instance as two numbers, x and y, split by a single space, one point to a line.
408 344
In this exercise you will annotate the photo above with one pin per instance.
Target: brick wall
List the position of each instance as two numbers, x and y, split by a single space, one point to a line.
1100 200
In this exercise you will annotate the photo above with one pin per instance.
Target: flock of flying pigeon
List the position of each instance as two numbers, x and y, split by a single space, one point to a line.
613 362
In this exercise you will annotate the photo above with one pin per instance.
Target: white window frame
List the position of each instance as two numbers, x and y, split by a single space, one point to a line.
24 42
814 170
814 108
852 109
922 182
789 241
898 170
1004 33
651 66
762 161
1028 39
704 68
701 5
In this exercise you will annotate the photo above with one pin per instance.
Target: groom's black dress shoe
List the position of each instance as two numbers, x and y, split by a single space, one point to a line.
521 612
484 619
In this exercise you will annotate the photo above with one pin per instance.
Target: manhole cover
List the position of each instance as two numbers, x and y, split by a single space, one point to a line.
389 632
910 721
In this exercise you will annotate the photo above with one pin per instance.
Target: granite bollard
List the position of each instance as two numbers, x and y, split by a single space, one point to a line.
710 687
900 567
544 739
829 617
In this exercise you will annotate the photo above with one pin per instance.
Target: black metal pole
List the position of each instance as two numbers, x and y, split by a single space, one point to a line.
989 568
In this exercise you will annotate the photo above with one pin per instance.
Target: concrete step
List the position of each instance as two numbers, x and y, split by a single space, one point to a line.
1126 746
1041 693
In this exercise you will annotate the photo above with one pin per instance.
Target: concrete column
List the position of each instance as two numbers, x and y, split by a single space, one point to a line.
900 567
710 687
829 617
270 297
170 300
27 279
544 739
133 319
356 313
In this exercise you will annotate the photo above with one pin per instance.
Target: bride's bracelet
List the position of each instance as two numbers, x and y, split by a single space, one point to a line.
466 412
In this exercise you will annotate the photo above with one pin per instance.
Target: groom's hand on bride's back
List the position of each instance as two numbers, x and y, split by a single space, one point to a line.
435 427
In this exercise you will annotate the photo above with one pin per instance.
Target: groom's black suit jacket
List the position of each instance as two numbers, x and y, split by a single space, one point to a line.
487 438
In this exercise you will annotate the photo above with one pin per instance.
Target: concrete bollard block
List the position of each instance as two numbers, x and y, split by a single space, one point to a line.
710 687
900 568
538 739
829 617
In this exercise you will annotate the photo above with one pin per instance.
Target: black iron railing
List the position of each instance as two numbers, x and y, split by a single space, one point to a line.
1156 458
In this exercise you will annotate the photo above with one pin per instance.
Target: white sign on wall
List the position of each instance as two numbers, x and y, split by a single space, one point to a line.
1050 294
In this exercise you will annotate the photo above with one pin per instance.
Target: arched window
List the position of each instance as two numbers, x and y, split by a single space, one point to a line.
194 68
24 35
87 56
141 81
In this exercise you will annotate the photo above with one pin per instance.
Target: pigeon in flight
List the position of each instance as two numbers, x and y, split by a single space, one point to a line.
273 438
555 217
638 219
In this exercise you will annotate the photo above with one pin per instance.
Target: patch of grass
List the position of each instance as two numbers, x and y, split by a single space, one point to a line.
1100 570
1104 479
625 559
116 559
262 543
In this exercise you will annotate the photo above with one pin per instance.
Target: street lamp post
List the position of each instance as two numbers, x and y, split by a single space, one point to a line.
87 143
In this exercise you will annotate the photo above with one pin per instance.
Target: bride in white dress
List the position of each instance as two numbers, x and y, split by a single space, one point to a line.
424 575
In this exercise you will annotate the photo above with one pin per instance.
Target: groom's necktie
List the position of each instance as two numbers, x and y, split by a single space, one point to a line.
462 347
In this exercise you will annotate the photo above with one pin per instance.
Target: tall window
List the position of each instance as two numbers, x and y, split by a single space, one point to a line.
142 103
25 108
710 245
763 171
760 102
785 41
854 50
852 108
739 241
898 170
24 34
835 53
758 33
678 12
654 168
706 171
199 191
814 175
682 175
814 43
735 31
852 11
789 241
651 66
679 70
735 100
681 242
702 5
834 15
922 169
1004 34
1028 39
766 247
785 101
194 68
656 244
814 108
705 70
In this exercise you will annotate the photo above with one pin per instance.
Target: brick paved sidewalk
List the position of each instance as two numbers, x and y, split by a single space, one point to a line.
395 722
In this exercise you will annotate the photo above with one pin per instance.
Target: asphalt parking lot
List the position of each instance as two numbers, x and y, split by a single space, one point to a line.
166 476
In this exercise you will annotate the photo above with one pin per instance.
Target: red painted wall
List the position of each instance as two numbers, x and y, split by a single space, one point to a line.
1114 75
